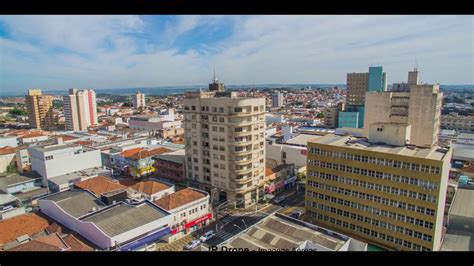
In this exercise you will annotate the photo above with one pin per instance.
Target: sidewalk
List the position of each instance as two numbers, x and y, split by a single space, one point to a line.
177 245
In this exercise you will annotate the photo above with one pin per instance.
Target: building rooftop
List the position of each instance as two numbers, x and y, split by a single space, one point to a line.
76 202
302 139
174 156
12 180
123 217
7 150
434 153
7 199
99 185
149 187
282 232
147 153
461 203
89 172
25 224
180 198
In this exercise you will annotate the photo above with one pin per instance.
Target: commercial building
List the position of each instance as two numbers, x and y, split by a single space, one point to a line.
152 124
119 226
277 99
278 232
11 141
420 108
171 165
460 123
225 144
138 100
60 159
80 110
357 86
190 209
153 190
331 117
378 190
40 109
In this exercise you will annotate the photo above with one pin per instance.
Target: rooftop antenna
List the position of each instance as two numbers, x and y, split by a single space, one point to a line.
215 76
416 65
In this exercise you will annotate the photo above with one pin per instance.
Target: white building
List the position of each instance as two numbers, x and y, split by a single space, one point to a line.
277 99
119 226
60 159
152 124
138 100
80 110
272 118
190 210
10 141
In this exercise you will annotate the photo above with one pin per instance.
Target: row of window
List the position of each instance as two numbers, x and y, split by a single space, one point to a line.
364 184
374 210
372 233
221 109
380 161
370 197
368 220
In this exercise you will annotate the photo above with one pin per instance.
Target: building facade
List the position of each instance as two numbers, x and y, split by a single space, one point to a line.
225 144
80 110
277 99
138 100
390 196
40 109
420 108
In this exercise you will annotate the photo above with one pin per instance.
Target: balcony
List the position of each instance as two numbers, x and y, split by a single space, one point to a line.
243 180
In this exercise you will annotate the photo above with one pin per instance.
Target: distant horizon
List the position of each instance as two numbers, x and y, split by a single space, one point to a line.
205 87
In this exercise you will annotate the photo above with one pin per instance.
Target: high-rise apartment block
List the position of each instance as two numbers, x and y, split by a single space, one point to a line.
277 99
331 117
138 100
390 195
40 109
80 110
420 108
413 79
357 85
225 145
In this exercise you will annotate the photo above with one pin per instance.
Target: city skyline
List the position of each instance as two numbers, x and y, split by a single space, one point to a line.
61 52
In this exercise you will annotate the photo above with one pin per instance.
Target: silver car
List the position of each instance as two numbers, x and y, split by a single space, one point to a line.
193 244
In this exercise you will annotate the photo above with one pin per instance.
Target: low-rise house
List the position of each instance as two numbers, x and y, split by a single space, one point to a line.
190 209
99 185
171 165
26 188
153 190
20 229
7 158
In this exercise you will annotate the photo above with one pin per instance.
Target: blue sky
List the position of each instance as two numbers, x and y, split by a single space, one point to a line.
60 52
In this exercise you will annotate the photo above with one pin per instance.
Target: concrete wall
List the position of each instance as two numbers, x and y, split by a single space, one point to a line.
8 141
392 134
20 187
294 154
5 161
443 188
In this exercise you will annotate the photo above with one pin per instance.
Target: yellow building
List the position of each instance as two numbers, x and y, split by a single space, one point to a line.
40 109
390 196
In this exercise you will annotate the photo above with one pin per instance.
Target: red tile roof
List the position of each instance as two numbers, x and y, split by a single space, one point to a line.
99 185
32 135
25 224
53 240
147 153
268 171
66 137
35 245
76 244
150 187
7 150
179 198
130 152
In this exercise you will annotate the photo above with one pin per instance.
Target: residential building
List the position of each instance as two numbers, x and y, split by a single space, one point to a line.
225 150
277 99
460 123
11 141
171 165
40 109
119 226
152 124
80 110
20 229
66 181
59 159
25 188
389 195
420 108
7 158
153 190
190 210
138 100
53 242
99 185
331 117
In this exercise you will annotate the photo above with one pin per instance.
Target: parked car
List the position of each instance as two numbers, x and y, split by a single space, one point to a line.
208 235
193 244
296 214
279 199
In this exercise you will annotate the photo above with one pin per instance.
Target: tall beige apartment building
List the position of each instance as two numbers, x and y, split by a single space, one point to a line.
80 110
225 145
357 86
138 100
40 109
420 108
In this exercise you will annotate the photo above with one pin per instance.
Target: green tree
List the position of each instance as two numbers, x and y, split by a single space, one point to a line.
17 112
320 115
11 169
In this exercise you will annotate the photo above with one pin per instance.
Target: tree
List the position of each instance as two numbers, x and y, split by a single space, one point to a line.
320 115
17 112
11 169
